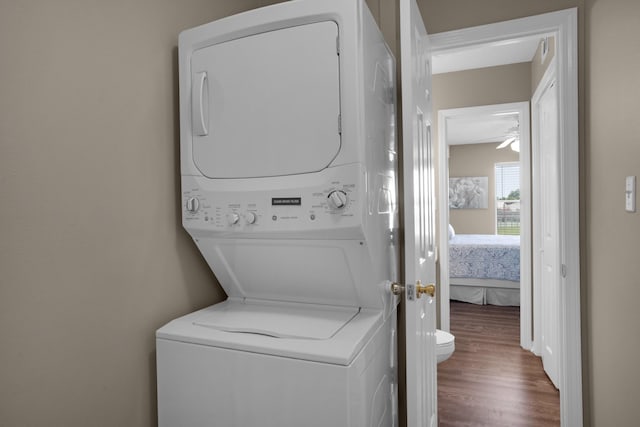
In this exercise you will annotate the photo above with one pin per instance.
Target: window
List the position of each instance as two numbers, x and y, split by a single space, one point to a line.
508 198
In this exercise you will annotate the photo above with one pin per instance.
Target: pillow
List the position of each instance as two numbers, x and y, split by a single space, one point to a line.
452 232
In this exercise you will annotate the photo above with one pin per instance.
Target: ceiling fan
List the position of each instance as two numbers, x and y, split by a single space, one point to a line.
513 139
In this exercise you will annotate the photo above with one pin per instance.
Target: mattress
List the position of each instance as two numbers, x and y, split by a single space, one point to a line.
484 256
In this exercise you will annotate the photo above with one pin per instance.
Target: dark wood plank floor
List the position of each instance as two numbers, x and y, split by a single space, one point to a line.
489 380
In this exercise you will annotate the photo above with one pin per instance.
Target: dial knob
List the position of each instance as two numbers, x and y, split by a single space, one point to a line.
193 204
250 217
233 218
337 199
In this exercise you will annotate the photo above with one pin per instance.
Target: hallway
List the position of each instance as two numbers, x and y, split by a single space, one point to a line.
489 380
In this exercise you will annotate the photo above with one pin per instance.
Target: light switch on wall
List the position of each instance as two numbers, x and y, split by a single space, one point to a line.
630 194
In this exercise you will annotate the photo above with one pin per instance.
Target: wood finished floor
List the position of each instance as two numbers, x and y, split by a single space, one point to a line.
489 380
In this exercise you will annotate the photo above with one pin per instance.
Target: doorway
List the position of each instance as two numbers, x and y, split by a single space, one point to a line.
563 26
490 128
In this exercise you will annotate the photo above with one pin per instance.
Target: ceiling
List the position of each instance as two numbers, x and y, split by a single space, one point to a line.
481 127
486 55
484 126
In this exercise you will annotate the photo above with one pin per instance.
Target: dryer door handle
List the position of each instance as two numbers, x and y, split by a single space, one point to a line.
200 104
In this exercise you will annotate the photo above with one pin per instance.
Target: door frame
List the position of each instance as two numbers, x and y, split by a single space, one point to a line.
526 303
564 25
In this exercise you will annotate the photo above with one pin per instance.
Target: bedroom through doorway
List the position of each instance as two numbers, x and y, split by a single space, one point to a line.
488 191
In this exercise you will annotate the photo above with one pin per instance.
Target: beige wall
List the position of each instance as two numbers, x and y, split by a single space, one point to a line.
612 240
471 88
93 258
477 160
449 15
485 86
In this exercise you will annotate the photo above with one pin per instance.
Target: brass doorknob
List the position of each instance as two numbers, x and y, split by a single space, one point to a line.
420 289
429 289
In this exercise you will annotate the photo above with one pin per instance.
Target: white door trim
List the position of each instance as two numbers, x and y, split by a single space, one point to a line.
564 25
525 212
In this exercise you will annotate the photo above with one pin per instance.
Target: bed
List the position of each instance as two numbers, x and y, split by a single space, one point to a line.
485 269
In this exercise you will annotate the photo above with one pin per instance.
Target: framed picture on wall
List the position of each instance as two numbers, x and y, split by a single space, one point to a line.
469 192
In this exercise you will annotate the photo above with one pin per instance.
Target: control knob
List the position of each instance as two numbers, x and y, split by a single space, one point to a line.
250 217
193 204
337 199
233 218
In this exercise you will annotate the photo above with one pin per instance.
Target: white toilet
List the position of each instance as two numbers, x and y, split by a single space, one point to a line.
445 345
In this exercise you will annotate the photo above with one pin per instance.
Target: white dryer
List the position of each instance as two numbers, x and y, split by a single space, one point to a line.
288 163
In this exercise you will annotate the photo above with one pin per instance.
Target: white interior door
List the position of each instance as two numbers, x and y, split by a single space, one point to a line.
419 217
548 209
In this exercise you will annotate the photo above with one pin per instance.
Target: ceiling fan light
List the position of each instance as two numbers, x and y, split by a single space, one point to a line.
506 142
516 146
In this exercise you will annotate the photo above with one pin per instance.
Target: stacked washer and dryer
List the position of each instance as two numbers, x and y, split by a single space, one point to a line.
288 163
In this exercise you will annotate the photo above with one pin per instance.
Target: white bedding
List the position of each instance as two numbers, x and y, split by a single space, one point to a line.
485 269
485 256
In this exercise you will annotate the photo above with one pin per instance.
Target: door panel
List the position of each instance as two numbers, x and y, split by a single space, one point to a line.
549 265
252 88
419 214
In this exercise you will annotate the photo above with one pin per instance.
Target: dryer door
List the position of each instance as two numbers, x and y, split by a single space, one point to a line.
267 104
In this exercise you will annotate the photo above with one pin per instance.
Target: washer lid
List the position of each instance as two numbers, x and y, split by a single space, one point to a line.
267 104
279 320
340 349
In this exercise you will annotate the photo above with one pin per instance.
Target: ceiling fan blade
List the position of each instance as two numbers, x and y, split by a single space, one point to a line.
506 142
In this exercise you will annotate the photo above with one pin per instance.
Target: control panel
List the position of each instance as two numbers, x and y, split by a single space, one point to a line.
333 205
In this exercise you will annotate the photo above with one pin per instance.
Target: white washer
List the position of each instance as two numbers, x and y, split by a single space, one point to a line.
288 162
340 374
